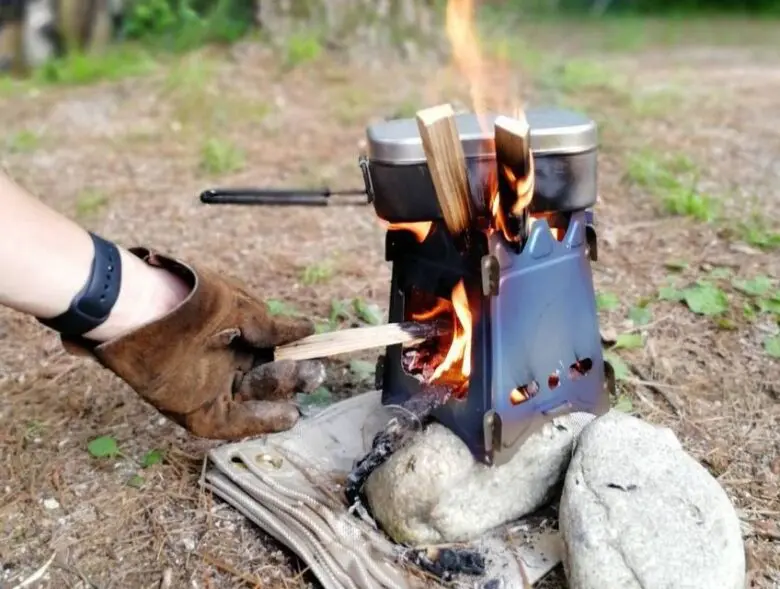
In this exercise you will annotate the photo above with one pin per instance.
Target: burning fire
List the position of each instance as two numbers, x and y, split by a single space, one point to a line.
420 230
456 363
460 350
454 367
468 59
465 49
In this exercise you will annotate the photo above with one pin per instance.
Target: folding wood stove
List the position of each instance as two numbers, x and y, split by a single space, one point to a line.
535 348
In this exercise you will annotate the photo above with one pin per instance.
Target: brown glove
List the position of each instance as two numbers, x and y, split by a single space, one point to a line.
207 365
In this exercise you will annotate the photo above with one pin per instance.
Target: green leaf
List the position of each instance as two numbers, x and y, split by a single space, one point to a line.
643 302
760 285
772 346
720 273
624 404
640 315
339 311
669 293
676 265
362 369
629 341
706 299
770 305
136 481
103 447
749 311
622 372
323 328
320 396
277 307
151 458
366 312
317 273
725 323
606 301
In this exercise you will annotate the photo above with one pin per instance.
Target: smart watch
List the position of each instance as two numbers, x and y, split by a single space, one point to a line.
93 303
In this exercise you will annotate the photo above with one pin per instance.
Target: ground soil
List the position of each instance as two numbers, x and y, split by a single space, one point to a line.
136 144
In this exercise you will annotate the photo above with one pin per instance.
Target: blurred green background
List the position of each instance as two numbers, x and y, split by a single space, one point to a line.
182 24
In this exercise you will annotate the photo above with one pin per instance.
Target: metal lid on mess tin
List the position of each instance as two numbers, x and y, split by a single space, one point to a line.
553 131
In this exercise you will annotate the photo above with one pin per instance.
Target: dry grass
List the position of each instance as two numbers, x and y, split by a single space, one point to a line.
139 145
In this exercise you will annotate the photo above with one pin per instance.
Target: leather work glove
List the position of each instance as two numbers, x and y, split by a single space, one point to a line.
207 365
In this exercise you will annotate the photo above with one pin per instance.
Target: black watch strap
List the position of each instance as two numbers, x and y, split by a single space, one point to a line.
93 303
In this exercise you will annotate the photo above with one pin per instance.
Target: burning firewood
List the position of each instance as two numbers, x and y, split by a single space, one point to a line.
447 165
415 412
515 171
360 338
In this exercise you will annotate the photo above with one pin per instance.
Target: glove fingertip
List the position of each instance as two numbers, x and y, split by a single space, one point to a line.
289 330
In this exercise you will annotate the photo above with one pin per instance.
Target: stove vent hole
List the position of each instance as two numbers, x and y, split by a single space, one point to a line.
523 393
580 368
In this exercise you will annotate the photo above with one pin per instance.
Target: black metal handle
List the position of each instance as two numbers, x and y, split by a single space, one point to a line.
277 196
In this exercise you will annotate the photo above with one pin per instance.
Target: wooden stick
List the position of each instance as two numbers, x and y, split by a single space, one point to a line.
359 338
513 145
447 165
514 163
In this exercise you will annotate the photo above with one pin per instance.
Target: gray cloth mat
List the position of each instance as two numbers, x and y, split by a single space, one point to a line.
288 484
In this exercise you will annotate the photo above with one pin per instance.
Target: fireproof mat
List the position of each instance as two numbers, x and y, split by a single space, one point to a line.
287 484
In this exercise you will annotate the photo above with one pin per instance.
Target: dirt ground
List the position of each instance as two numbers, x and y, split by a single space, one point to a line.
128 159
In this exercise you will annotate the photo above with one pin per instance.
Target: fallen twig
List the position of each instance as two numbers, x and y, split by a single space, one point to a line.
37 575
74 571
250 580
655 388
166 581
766 530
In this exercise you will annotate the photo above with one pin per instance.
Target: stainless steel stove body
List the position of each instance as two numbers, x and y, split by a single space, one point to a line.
535 342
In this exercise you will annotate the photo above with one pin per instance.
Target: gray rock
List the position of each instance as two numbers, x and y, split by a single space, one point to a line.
433 491
638 512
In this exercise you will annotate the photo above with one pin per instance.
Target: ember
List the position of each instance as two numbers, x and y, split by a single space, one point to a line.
446 563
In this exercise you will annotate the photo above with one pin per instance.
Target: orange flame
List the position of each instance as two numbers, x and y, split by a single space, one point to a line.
460 350
466 53
524 188
420 230
440 308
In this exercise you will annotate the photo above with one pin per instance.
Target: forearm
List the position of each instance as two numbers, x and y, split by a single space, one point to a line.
45 260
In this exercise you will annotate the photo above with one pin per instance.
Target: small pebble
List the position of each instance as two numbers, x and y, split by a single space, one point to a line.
51 503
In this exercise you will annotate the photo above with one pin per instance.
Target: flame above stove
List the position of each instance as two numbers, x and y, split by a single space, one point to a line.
455 368
462 35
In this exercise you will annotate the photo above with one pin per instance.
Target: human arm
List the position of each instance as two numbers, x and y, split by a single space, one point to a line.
45 260
195 345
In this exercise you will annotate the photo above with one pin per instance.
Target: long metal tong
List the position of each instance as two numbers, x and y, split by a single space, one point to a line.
318 197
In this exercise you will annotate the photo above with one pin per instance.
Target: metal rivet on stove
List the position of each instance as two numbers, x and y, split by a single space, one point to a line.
269 460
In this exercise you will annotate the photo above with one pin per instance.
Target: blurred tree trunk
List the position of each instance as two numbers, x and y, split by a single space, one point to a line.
400 23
